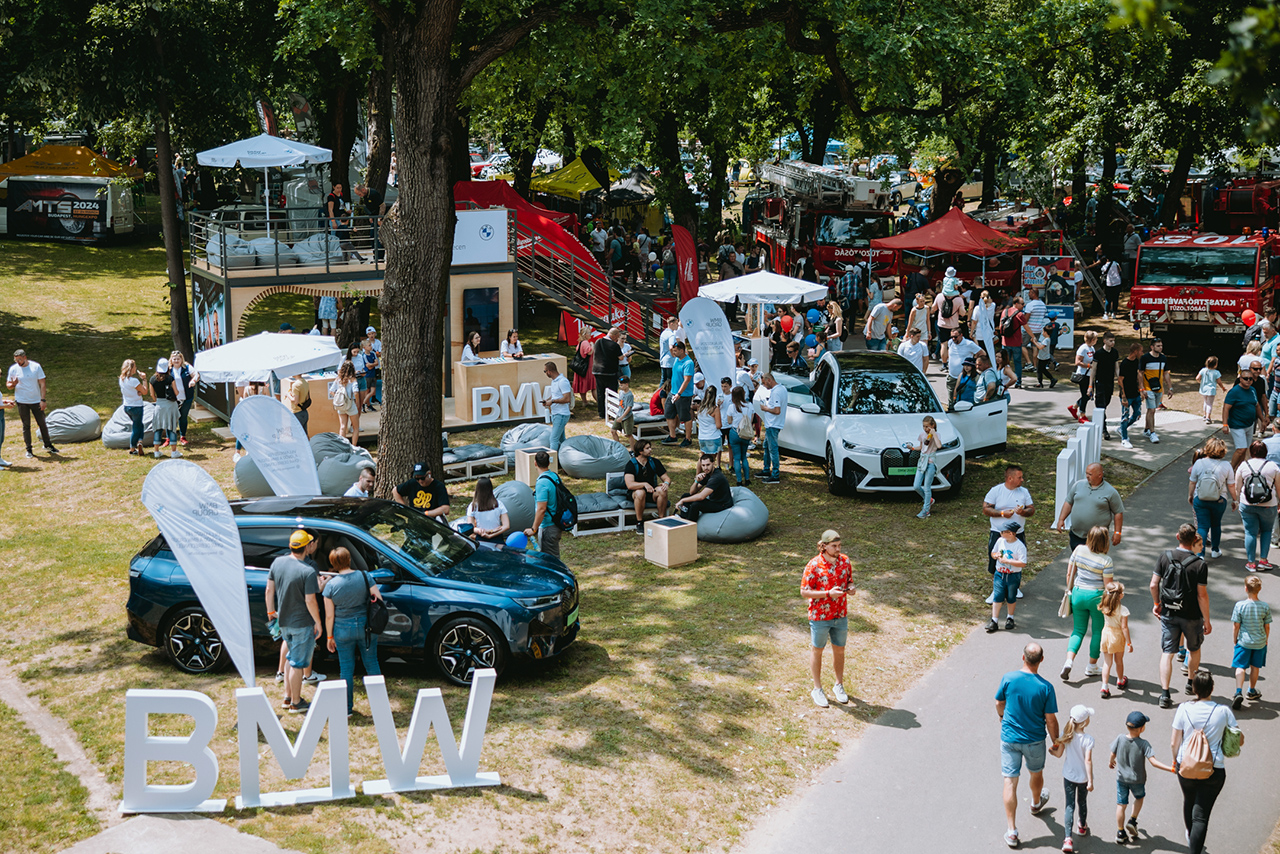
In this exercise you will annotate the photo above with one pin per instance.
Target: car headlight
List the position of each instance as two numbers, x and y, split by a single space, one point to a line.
858 449
539 601
954 443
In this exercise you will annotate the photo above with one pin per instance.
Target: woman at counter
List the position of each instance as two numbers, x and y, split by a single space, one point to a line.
512 348
471 349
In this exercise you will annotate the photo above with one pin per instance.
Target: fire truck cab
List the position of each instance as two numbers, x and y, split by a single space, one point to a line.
828 212
1195 284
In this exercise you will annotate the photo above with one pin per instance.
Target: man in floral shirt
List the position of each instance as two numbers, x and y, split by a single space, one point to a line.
827 582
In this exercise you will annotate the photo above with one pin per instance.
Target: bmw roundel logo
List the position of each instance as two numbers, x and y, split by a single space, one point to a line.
486 232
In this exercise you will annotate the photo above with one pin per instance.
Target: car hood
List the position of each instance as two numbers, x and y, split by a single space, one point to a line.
890 431
514 571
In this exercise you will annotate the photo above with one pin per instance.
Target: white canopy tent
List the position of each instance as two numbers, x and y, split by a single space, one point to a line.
268 352
264 151
763 287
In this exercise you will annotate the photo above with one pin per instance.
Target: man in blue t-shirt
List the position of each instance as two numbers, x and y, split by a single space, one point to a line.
681 395
544 494
1027 706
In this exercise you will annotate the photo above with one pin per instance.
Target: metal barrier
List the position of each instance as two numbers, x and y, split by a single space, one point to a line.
298 239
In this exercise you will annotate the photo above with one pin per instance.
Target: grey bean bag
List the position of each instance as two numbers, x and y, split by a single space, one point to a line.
744 521
314 248
237 251
118 429
338 472
519 502
592 457
530 435
78 423
324 445
268 249
249 480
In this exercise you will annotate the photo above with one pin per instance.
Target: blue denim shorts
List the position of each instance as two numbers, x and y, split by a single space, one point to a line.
837 630
302 645
1123 789
1154 398
1004 587
1243 658
1012 754
709 446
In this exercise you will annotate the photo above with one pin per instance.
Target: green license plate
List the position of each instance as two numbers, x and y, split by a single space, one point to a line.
572 618
900 471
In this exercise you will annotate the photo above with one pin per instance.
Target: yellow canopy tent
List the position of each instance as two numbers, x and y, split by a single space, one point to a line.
570 182
67 160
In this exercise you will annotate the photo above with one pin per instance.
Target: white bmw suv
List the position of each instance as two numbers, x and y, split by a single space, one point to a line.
861 413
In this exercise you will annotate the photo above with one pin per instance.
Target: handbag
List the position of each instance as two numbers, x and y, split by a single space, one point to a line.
1232 740
340 398
1064 607
579 364
376 614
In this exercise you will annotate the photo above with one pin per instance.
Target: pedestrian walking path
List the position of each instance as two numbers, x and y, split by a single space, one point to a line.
936 786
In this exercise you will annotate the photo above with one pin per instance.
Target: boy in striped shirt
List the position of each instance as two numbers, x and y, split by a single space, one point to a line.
1251 629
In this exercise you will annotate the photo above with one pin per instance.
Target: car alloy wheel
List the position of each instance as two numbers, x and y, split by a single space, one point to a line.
465 644
836 483
895 199
192 643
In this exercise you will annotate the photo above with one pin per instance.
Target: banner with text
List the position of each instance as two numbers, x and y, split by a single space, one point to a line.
709 335
278 444
1052 278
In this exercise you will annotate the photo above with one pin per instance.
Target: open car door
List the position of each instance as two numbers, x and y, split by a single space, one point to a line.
984 427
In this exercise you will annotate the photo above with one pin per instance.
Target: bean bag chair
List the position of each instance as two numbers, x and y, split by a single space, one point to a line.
268 249
518 499
744 521
231 251
592 457
531 435
464 453
249 480
339 471
315 248
115 435
78 423
324 445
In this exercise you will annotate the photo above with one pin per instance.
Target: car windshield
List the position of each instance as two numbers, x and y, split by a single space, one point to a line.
427 542
851 230
884 393
1226 268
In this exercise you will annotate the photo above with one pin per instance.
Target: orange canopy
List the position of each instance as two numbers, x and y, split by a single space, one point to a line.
67 160
955 232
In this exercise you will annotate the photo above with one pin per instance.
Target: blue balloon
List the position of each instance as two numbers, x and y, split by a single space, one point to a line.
517 540
811 341
813 315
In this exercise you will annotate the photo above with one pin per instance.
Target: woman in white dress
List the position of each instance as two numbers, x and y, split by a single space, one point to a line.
918 318
983 324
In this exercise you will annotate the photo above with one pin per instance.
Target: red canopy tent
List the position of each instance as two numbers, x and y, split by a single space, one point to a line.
955 232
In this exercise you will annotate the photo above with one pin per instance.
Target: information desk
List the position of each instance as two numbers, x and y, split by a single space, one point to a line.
321 416
496 373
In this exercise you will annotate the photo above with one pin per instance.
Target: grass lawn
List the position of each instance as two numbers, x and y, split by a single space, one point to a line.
681 713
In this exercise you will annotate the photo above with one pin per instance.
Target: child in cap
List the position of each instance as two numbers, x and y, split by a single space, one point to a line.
1250 629
1011 557
1127 754
626 420
1077 771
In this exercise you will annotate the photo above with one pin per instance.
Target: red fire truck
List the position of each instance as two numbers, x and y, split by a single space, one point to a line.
829 213
1190 284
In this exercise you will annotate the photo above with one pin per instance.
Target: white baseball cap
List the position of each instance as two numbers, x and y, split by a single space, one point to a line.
162 366
752 363
1081 713
698 377
369 329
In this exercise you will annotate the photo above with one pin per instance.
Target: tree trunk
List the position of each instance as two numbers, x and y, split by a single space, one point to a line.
460 147
1178 180
1078 180
826 111
418 233
1109 159
338 126
666 152
378 133
179 315
569 148
719 185
987 141
523 157
946 182
802 134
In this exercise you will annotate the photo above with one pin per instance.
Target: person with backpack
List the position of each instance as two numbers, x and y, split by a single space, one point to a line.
1212 482
557 509
646 479
1180 598
1257 485
1199 729
949 307
1012 319
741 417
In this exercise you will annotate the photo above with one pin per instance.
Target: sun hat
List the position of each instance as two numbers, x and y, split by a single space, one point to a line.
950 272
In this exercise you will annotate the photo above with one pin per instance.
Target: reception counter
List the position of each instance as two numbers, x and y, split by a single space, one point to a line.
496 373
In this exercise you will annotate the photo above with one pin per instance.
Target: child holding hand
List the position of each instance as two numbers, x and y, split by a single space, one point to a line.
1127 754
1115 636
1077 772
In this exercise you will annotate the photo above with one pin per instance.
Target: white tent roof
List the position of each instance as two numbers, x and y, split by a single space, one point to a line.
282 354
763 287
264 150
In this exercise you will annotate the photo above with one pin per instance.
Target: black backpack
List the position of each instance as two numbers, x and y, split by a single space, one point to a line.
565 513
1009 325
1256 488
1174 584
948 306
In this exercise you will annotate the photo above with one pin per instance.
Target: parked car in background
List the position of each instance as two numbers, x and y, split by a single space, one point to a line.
903 186
455 605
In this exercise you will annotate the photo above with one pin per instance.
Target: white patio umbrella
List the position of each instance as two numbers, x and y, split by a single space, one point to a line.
264 151
275 352
763 287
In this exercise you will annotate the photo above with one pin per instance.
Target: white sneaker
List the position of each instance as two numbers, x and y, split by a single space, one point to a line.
1215 553
175 454
157 453
314 678
991 598
1093 670
4 464
235 458
840 695
1125 443
1154 437
1019 596
819 698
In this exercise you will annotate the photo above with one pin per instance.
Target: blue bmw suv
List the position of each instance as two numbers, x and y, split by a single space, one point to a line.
459 606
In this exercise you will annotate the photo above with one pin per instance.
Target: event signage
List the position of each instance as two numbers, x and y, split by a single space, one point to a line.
64 210
708 334
1052 277
480 237
278 445
503 404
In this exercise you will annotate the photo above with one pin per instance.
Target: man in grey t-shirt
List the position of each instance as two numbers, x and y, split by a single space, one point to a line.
292 584
1091 502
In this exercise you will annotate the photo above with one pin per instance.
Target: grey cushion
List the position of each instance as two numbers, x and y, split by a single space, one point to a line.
119 427
78 423
314 248
338 472
239 254
615 483
249 480
745 520
531 435
329 445
267 248
595 502
646 418
474 451
591 457
518 499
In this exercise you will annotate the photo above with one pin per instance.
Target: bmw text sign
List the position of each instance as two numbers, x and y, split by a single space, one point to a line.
480 238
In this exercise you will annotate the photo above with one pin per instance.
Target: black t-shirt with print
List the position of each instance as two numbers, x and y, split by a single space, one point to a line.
423 498
162 387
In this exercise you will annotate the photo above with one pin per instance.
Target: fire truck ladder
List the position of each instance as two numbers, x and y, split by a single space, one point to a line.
824 185
1090 279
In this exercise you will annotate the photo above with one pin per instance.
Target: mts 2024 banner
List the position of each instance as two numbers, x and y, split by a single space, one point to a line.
57 211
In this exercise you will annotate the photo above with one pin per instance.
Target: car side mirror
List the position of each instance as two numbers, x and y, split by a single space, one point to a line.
963 406
810 409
